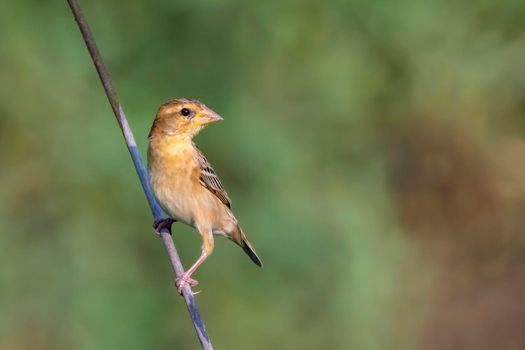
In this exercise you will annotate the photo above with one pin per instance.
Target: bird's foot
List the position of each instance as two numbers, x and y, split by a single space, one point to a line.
183 280
159 224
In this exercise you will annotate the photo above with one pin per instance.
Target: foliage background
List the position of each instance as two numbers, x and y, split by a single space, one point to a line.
373 151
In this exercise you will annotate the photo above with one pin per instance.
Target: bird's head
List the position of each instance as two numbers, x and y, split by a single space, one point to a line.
182 117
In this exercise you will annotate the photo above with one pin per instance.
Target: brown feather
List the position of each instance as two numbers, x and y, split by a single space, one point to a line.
209 179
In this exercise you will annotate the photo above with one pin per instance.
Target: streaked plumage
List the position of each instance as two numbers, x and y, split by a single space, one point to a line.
184 182
210 180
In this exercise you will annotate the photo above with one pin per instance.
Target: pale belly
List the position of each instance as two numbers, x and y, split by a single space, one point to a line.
189 202
180 194
176 195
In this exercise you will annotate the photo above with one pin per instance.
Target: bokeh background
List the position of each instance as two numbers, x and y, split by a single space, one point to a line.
374 152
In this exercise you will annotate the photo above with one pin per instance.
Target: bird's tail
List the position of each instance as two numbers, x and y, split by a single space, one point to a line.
241 239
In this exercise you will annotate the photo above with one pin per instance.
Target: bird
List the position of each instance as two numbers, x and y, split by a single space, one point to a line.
185 184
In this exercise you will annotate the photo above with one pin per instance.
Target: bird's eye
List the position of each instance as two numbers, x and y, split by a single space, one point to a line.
185 112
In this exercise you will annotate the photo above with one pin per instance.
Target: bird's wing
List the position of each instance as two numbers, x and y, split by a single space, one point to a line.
210 180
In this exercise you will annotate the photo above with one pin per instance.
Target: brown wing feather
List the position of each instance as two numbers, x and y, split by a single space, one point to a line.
210 180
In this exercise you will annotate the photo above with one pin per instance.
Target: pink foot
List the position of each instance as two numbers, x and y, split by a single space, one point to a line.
183 280
159 224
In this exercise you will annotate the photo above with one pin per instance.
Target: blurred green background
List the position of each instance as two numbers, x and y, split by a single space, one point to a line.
373 150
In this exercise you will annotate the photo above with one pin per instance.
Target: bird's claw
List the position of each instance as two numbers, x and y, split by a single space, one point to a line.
183 280
159 224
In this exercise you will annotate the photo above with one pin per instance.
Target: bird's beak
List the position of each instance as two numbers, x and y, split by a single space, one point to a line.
208 117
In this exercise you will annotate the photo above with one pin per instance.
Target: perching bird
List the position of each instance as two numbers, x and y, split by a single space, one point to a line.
184 182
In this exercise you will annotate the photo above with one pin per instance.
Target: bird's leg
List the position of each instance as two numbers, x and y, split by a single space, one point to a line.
207 248
186 276
159 224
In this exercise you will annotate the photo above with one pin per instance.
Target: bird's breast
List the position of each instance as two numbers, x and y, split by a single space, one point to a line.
172 171
174 175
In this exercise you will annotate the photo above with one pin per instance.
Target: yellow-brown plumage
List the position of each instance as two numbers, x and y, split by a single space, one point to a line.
184 182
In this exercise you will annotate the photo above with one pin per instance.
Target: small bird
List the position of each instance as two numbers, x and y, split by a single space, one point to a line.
185 183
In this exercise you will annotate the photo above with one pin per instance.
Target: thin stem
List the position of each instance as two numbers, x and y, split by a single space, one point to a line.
141 170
